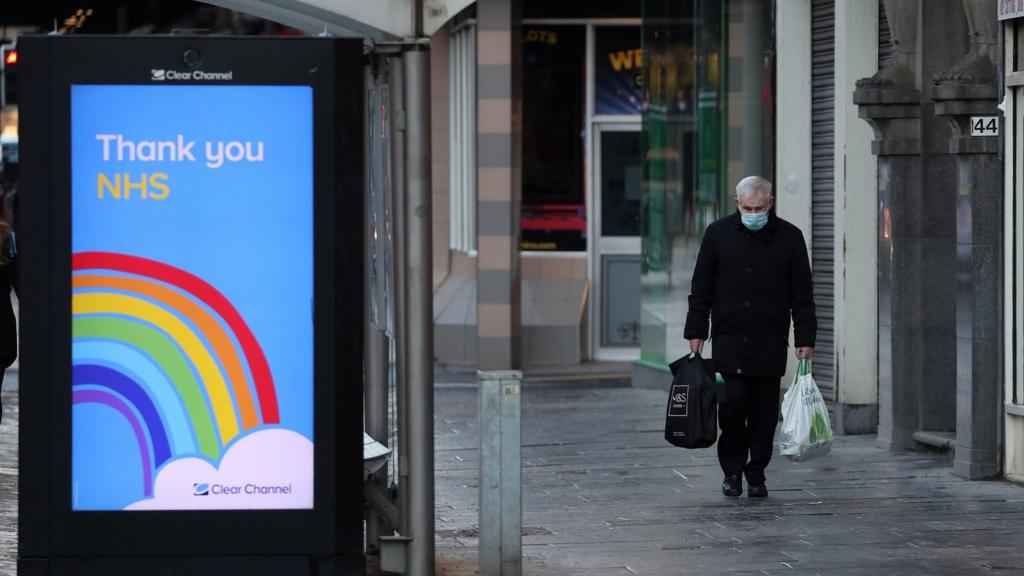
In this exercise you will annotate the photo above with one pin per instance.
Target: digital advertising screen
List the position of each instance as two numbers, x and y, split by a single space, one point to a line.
192 297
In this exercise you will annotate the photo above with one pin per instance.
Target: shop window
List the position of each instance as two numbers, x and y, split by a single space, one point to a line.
554 81
618 71
462 130
707 122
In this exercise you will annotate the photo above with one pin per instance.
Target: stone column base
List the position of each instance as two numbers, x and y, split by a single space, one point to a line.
975 464
856 418
896 438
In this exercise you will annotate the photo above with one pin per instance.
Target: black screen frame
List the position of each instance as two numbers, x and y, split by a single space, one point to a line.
48 527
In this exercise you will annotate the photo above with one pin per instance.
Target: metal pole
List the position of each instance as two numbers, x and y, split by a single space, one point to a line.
419 313
398 219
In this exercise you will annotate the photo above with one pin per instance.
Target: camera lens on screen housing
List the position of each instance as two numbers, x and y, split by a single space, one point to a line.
192 58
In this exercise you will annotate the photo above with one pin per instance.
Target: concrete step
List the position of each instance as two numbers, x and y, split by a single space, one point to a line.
943 441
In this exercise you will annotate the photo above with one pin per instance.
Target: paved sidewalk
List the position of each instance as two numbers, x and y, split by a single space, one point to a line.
604 494
9 480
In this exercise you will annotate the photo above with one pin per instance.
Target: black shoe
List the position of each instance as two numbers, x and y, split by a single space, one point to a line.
757 491
732 486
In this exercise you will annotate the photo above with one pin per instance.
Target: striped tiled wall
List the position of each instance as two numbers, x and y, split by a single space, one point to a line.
499 136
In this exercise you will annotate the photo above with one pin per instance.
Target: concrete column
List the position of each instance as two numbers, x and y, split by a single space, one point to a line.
793 123
978 291
943 40
499 182
917 231
856 223
793 126
960 95
894 114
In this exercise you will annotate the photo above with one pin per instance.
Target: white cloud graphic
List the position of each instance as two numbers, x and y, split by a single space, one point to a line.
268 469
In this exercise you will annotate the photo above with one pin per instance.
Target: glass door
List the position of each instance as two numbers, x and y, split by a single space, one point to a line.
615 262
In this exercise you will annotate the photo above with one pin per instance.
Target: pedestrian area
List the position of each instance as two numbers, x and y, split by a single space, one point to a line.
9 481
604 494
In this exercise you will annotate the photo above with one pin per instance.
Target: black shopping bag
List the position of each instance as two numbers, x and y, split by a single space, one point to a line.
691 419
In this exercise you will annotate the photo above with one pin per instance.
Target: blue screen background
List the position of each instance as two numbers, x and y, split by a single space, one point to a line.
246 228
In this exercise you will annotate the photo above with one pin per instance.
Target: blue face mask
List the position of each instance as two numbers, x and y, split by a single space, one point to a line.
754 221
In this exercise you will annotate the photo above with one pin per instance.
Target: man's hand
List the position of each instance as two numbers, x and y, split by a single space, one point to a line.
696 345
804 352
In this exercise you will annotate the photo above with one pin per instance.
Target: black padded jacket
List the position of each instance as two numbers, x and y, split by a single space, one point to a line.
751 284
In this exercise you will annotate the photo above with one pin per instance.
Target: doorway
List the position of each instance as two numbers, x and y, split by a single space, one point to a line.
615 259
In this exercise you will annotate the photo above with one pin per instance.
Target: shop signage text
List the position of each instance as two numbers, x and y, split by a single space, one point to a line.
626 59
1010 9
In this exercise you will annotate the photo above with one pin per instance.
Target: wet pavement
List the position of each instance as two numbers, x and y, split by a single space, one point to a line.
604 494
9 476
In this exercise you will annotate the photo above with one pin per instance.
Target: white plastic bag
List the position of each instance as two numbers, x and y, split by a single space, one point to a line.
806 432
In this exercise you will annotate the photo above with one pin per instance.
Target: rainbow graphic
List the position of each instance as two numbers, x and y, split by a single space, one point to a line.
170 354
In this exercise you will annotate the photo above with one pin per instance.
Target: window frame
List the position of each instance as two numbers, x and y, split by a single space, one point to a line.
462 137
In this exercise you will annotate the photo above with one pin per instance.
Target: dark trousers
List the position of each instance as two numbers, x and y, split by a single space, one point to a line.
748 411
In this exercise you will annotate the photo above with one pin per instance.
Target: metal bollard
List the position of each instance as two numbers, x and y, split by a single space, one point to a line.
501 500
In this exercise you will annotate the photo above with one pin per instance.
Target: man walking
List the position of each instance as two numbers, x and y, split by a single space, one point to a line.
751 275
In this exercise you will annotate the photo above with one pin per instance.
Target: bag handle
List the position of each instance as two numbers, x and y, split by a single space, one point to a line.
803 367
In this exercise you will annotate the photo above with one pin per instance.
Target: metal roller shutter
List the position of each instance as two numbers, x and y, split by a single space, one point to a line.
823 191
884 37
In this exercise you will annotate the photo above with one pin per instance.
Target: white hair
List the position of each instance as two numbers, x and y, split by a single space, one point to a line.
753 186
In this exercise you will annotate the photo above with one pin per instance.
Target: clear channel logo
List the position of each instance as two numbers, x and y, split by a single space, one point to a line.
160 75
207 489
